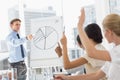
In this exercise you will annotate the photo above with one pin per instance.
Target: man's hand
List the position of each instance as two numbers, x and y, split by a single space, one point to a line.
60 77
29 37
64 40
81 18
58 50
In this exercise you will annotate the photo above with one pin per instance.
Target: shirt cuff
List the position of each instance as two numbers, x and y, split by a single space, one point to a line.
24 39
61 59
105 68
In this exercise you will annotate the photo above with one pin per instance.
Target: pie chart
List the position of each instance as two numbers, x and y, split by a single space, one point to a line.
45 38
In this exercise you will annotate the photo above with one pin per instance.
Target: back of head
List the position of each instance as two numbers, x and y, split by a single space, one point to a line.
93 31
112 22
78 40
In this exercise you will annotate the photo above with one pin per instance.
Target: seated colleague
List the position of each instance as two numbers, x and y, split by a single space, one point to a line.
91 65
111 69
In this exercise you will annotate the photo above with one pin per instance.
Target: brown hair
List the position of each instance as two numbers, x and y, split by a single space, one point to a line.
112 22
14 20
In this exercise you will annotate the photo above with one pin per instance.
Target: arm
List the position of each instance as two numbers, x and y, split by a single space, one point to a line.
16 42
89 47
66 61
92 76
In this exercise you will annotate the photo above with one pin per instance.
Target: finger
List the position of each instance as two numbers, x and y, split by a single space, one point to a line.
82 8
82 11
57 77
64 34
65 37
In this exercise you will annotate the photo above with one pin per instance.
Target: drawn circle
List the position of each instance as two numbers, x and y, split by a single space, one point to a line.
45 38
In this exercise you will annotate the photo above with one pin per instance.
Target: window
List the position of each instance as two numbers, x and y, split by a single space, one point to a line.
78 53
5 5
73 54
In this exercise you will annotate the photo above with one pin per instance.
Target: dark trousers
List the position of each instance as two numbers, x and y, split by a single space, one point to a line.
21 70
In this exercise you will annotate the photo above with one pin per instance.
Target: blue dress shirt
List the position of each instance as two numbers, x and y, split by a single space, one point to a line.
14 47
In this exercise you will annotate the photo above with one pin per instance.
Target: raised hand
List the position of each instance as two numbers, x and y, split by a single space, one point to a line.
63 40
58 50
81 18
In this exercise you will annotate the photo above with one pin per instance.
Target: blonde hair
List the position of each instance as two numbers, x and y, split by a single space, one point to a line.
112 22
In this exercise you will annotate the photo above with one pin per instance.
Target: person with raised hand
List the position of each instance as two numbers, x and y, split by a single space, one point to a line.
91 65
111 69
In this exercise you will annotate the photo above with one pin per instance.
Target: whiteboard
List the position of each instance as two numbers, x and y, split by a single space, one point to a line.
47 33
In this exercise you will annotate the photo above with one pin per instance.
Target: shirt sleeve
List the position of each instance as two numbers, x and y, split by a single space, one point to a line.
76 69
93 62
115 55
105 68
16 42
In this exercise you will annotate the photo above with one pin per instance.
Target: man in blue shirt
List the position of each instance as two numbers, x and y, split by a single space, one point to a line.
17 50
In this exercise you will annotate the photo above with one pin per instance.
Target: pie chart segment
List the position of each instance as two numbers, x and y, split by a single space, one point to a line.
45 38
48 30
51 40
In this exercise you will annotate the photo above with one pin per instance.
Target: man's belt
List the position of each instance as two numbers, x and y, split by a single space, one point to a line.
17 63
